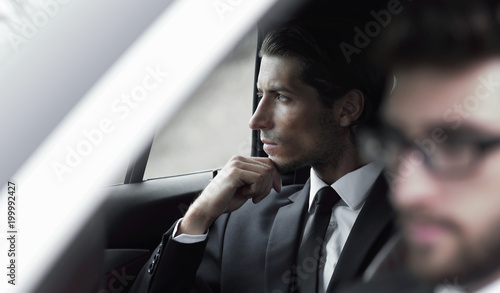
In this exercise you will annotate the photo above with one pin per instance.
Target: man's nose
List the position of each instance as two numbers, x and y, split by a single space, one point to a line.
262 117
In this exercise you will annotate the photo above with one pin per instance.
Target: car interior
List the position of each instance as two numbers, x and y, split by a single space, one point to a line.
137 212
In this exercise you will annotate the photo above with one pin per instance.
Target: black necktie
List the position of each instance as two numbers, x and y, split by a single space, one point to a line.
310 250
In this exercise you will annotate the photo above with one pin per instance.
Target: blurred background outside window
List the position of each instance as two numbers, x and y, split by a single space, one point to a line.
213 125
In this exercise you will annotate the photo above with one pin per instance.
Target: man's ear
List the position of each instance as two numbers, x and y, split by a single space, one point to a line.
350 107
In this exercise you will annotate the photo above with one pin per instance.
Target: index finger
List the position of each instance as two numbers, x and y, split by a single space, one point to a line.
276 175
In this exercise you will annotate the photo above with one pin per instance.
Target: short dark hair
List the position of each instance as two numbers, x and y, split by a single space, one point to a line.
324 66
444 33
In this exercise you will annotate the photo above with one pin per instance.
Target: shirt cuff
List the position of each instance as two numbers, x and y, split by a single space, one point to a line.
187 238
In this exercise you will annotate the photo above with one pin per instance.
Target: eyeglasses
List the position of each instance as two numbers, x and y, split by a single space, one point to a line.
452 156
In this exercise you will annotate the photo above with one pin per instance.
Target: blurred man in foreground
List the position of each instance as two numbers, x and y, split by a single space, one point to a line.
440 141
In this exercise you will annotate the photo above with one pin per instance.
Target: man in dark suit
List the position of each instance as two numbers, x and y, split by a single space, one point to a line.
238 235
441 143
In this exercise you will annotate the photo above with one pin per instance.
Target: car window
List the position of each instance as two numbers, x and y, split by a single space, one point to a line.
213 126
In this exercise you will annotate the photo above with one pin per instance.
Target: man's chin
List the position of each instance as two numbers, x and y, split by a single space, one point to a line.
285 167
282 167
431 267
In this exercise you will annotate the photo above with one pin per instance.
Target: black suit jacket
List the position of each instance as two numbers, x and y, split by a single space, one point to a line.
253 248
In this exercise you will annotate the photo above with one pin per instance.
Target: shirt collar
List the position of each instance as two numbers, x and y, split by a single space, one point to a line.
491 288
353 187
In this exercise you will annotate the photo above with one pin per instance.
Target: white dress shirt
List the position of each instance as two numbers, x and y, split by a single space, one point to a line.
447 288
493 287
353 188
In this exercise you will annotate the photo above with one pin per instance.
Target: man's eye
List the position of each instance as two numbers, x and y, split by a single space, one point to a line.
260 95
282 98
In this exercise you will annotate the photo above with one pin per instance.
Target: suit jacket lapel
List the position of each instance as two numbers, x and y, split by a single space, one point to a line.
370 231
283 241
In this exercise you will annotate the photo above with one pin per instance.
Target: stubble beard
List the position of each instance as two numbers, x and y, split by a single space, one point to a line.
471 264
327 154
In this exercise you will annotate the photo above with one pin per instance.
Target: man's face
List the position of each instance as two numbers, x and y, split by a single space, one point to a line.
451 223
296 129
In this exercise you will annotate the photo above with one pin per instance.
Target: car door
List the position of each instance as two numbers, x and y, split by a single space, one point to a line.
165 178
